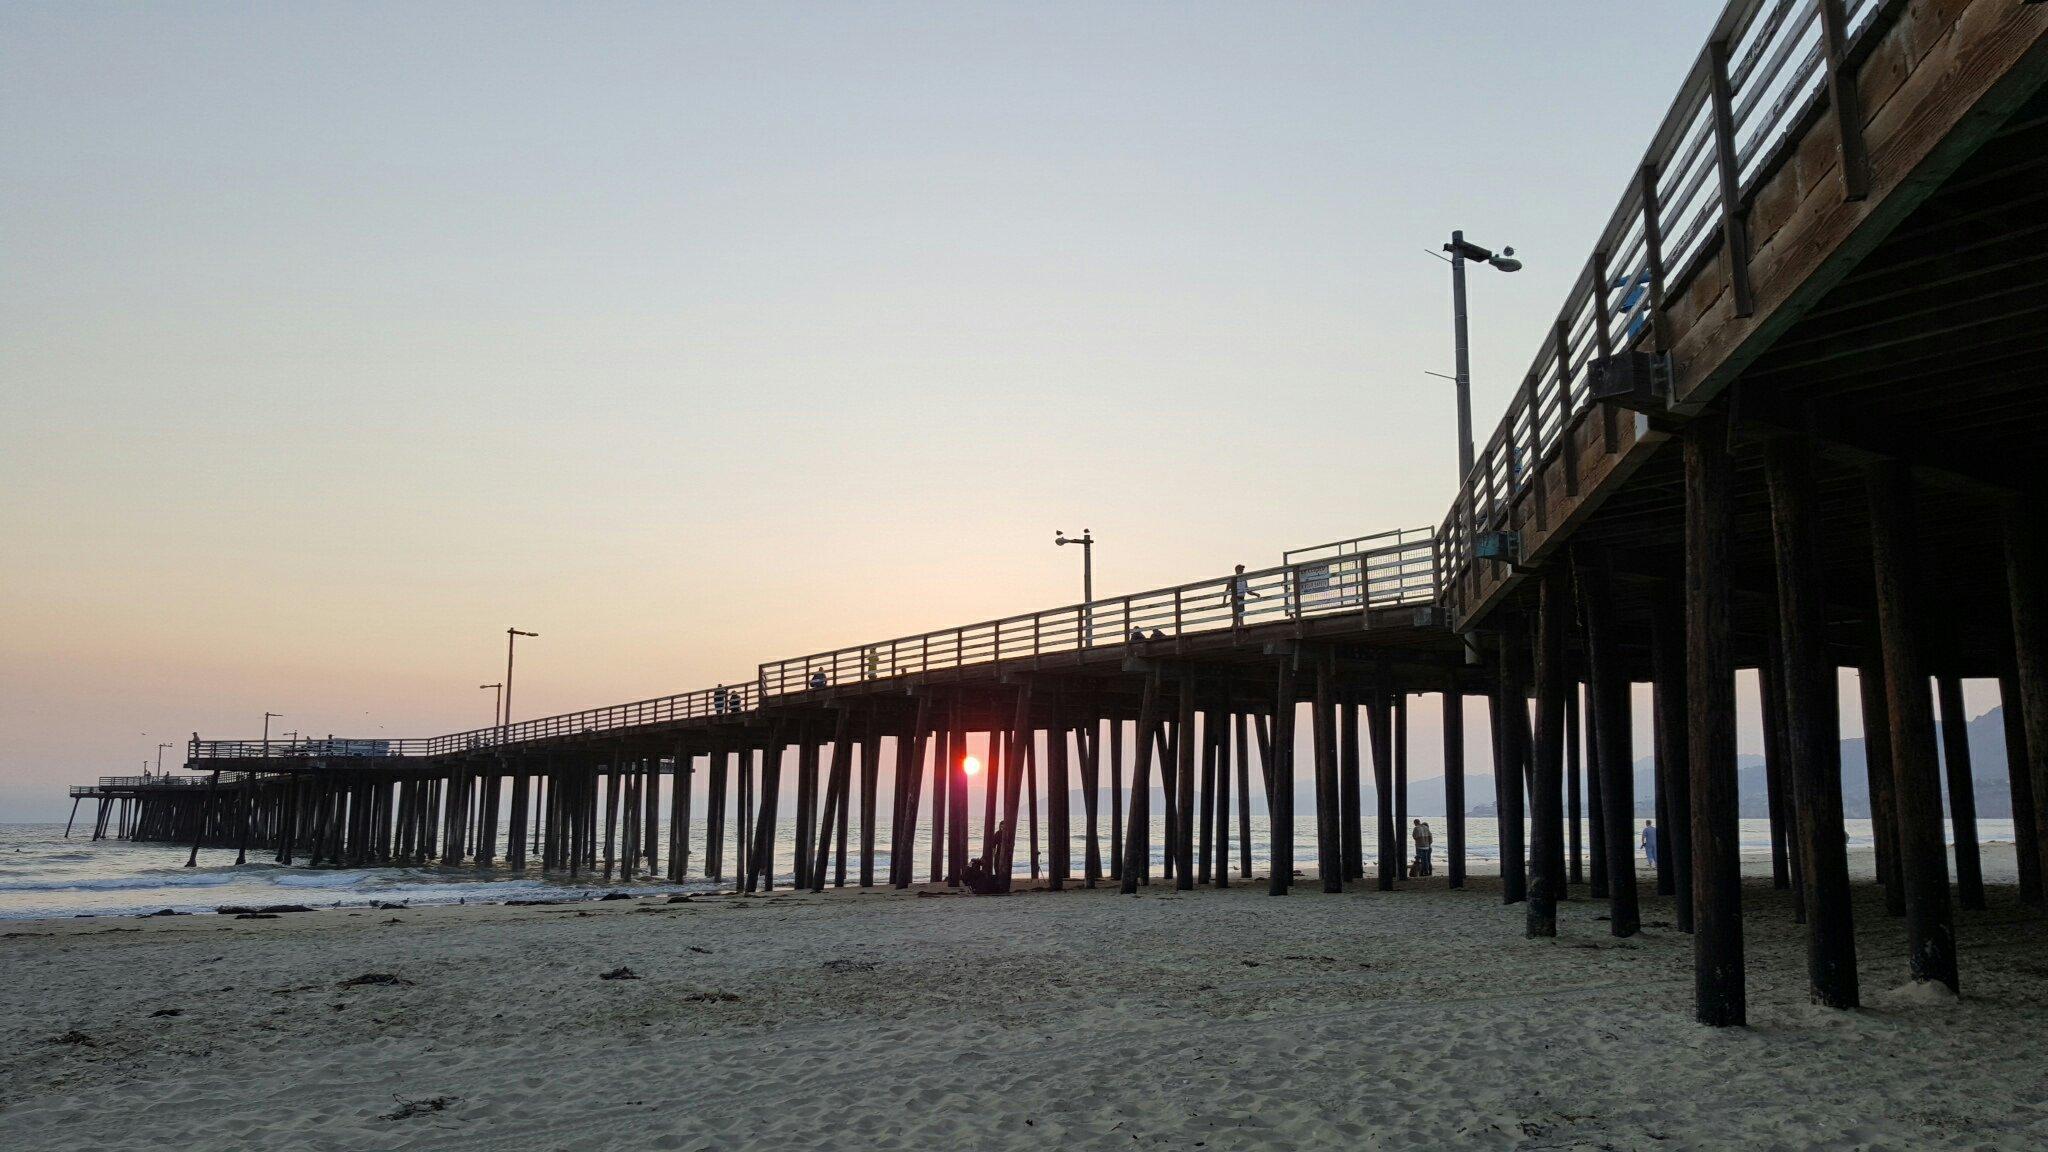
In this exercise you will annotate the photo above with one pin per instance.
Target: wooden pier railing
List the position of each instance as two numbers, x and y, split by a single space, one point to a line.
1380 571
1331 581
1737 117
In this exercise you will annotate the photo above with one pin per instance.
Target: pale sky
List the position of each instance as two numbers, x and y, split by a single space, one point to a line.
334 339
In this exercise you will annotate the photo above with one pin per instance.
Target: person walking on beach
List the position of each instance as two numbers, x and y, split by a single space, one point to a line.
1424 840
1650 842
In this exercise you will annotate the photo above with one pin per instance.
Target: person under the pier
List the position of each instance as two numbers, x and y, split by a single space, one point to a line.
1424 841
1650 842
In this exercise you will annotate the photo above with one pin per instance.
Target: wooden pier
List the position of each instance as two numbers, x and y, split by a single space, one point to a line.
1788 419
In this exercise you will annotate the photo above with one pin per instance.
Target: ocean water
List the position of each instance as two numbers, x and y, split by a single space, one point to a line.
42 874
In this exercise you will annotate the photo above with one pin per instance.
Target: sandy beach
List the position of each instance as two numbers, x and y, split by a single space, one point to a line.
1417 1019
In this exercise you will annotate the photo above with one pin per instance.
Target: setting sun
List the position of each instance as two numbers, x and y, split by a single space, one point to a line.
971 765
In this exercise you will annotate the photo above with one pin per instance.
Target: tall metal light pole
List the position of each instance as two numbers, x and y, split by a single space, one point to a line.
1462 251
1087 542
267 718
512 636
160 757
497 703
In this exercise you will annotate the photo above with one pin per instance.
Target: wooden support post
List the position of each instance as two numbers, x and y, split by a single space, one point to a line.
198 835
1276 754
762 854
1244 798
2019 774
1169 794
991 790
1454 782
1219 724
680 812
909 772
1877 756
956 802
870 786
1771 703
1091 800
1059 835
1546 802
1205 848
807 809
1962 793
650 827
1812 725
2026 583
1021 738
1329 824
1031 795
1667 674
1574 809
1379 723
942 790
1348 784
1609 683
1510 732
1184 771
611 816
1923 858
1719 987
1402 853
1777 757
515 843
836 785
1116 800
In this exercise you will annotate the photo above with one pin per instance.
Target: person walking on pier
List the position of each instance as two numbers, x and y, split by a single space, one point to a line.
1424 840
1240 587
1650 842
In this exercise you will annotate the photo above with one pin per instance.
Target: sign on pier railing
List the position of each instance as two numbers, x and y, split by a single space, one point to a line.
1764 67
1403 572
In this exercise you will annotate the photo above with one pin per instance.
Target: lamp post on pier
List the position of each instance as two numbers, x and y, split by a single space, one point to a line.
512 636
1087 542
1462 250
267 718
160 757
497 703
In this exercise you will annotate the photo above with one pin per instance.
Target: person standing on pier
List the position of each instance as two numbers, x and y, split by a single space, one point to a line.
1240 587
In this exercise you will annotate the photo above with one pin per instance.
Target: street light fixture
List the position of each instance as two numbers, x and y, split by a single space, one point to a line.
1462 250
498 702
1087 542
160 757
267 718
512 636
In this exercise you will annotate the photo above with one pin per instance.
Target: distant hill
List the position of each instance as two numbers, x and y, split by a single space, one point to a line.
1426 796
1987 768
